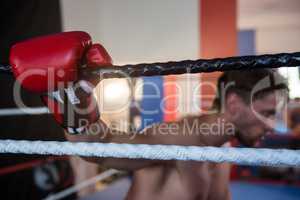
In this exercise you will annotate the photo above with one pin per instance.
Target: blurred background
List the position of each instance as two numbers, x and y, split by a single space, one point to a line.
135 31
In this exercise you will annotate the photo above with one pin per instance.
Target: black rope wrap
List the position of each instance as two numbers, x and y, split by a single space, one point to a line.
193 66
201 65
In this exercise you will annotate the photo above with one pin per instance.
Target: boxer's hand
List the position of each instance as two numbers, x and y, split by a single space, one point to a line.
50 66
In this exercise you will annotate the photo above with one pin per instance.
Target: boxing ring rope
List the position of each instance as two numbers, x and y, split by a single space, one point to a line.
241 156
64 193
192 66
23 111
198 66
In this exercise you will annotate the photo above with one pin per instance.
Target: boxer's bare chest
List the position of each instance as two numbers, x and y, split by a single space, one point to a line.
183 180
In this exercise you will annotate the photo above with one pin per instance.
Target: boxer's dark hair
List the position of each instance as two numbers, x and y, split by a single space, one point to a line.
244 82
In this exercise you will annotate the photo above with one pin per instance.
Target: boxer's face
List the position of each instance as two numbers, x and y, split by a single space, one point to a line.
255 120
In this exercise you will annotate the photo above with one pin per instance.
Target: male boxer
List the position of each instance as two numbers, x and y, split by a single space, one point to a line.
244 109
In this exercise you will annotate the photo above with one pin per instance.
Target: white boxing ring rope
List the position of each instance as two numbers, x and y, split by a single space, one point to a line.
242 156
75 188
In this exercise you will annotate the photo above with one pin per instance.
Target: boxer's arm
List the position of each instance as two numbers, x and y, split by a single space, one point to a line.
220 182
160 133
106 135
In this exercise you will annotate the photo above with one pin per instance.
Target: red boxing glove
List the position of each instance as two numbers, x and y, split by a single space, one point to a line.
49 65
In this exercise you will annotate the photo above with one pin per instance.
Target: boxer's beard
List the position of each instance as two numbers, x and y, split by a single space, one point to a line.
243 140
